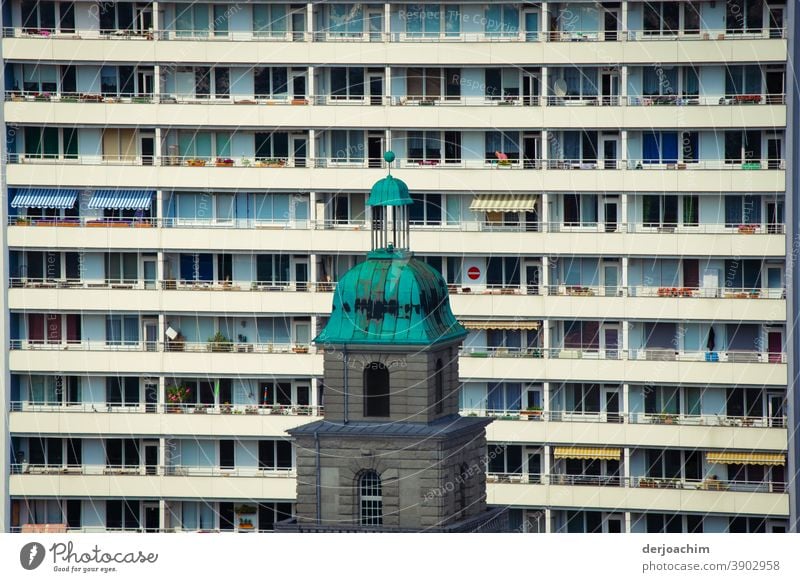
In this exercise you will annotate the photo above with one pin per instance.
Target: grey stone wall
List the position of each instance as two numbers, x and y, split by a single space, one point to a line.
411 378
420 480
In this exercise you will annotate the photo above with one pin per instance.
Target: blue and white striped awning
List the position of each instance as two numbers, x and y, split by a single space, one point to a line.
43 198
122 199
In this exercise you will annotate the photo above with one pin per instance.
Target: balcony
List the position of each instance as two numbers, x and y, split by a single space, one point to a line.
152 482
635 365
314 298
631 495
292 174
398 112
183 358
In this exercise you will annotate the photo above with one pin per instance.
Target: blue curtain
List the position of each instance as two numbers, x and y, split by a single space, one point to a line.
733 210
513 396
202 270
572 145
494 397
589 81
650 148
572 77
751 209
669 147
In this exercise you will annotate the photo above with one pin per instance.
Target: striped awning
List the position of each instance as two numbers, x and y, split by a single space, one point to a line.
607 454
122 199
500 324
503 203
44 198
745 458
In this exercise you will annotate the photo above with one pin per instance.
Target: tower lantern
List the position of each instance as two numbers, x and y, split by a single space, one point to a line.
389 201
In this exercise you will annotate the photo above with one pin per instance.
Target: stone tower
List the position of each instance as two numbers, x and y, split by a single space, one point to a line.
392 453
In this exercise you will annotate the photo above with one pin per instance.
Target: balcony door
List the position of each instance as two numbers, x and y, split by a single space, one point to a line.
533 278
531 21
609 87
375 89
150 459
375 23
610 341
150 334
611 23
609 147
609 404
530 89
535 467
300 269
611 214
776 405
775 345
774 217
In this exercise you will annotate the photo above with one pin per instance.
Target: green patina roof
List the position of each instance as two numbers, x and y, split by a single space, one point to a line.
389 191
391 298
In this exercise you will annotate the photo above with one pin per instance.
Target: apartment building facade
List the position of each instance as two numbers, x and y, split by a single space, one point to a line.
603 187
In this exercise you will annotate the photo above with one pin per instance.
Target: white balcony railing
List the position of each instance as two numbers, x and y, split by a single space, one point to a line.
628 35
636 354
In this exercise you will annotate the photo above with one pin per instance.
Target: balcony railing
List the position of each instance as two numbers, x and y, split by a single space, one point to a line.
396 36
376 163
710 420
642 482
162 408
461 226
326 287
149 470
638 354
394 100
174 346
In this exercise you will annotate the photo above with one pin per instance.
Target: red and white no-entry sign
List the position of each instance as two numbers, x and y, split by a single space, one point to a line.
474 273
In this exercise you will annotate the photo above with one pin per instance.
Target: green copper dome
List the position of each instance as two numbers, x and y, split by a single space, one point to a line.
391 298
389 191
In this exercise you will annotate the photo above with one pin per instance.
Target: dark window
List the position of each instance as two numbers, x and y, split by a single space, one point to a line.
376 390
226 516
222 82
226 454
438 380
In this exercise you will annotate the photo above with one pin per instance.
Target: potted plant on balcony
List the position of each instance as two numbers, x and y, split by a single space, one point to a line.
219 342
195 163
226 408
272 163
532 412
223 163
747 229
177 397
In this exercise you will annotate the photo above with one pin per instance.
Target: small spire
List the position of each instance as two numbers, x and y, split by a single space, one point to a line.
388 157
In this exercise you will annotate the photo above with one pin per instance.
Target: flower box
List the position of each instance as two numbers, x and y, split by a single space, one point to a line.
747 228
223 163
195 163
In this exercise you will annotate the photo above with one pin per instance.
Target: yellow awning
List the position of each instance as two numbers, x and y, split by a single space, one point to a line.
745 458
495 324
503 203
607 454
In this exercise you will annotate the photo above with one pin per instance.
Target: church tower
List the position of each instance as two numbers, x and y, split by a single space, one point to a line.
392 453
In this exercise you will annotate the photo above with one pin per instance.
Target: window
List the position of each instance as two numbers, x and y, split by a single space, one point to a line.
370 495
660 147
501 83
376 390
580 209
122 330
42 142
227 454
269 20
574 147
272 269
505 458
661 18
423 20
502 20
426 209
346 19
46 451
660 210
191 20
742 146
347 146
742 209
196 267
673 464
48 327
122 453
55 390
744 16
673 523
581 398
274 455
347 82
742 80
38 16
438 388
122 391
121 267
272 145
501 142
744 402
504 396
40 78
271 513
576 82
503 272
747 525
122 514
662 400
742 274
270 82
583 335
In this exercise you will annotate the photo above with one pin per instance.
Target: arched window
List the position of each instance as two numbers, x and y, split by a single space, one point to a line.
376 390
370 496
461 491
438 380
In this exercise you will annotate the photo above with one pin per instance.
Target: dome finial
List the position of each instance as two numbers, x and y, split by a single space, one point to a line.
389 157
